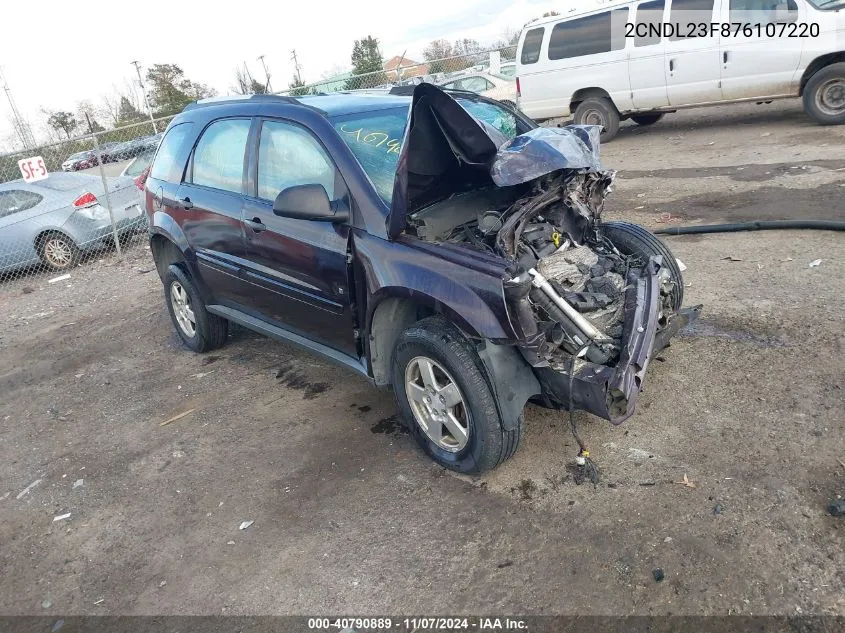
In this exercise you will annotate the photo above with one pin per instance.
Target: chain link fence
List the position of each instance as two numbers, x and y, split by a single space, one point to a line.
64 204
67 203
491 73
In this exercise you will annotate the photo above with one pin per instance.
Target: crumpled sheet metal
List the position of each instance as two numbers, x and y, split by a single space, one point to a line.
544 150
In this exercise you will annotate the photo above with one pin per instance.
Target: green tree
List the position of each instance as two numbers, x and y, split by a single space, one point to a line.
127 113
246 85
297 87
171 91
64 121
367 65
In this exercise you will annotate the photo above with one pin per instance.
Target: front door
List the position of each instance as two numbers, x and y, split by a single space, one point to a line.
298 268
211 214
693 70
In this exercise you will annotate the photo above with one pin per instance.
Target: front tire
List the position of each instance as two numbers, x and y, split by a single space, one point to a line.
647 119
632 239
443 395
599 111
199 330
824 95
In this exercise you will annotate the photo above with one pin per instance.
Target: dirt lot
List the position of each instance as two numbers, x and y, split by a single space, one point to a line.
350 517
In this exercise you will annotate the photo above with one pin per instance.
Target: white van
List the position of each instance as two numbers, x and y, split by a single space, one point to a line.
615 60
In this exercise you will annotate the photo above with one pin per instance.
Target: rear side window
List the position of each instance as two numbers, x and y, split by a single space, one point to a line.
650 15
474 84
167 165
290 156
17 200
531 46
685 12
763 11
600 33
219 156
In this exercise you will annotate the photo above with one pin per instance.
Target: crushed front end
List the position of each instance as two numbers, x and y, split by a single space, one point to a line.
591 302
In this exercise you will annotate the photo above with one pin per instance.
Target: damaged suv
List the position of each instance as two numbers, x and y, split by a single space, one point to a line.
440 245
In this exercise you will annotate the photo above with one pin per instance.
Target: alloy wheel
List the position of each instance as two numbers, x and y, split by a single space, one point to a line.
437 404
182 310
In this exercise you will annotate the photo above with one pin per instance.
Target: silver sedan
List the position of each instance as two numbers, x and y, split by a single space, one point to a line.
55 220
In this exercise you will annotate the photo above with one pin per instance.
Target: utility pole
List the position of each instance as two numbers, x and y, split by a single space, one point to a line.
21 126
137 65
296 66
267 87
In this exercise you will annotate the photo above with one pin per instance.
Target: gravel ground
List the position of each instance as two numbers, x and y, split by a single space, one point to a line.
350 517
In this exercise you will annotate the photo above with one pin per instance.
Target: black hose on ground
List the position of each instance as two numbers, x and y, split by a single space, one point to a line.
757 225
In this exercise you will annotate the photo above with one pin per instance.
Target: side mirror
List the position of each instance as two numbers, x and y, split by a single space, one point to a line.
309 202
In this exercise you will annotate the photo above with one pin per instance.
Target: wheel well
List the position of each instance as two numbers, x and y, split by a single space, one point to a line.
817 64
391 317
586 93
164 253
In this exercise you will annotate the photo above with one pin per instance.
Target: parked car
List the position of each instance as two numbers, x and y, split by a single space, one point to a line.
460 259
107 151
495 86
56 220
80 160
589 64
132 148
138 170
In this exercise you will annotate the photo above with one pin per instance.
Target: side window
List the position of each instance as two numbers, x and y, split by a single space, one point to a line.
763 11
650 15
17 200
452 85
600 33
531 46
219 156
683 12
475 84
288 156
172 156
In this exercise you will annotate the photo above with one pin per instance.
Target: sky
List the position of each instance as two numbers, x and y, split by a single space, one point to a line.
63 52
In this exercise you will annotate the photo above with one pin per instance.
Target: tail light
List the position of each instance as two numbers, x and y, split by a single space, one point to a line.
518 91
87 199
141 179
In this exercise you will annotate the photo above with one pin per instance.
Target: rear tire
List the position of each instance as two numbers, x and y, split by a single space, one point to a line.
647 119
58 251
599 111
482 442
199 330
824 95
632 239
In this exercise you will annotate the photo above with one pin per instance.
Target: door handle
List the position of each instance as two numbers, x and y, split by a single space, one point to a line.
256 225
671 65
186 203
725 57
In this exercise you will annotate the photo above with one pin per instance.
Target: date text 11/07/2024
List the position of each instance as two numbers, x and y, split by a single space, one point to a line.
351 625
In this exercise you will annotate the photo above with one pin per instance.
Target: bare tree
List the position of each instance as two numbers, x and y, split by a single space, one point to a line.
111 105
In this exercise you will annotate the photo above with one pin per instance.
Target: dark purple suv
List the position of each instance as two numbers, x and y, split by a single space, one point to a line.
440 244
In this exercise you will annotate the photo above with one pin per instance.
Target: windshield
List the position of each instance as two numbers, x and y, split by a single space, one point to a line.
375 138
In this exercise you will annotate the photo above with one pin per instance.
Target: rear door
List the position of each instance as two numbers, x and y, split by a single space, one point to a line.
692 55
209 208
297 268
647 59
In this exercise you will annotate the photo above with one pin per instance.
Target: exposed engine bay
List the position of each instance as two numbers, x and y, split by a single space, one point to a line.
566 272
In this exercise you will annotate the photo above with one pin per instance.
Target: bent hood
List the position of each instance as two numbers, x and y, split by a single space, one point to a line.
446 150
